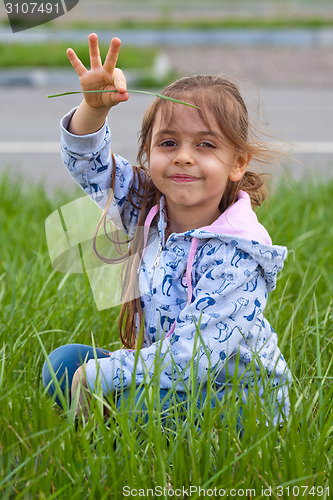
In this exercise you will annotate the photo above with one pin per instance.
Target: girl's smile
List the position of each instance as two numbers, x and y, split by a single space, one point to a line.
183 178
191 166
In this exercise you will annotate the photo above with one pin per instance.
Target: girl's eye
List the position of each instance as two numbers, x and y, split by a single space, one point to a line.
169 143
207 144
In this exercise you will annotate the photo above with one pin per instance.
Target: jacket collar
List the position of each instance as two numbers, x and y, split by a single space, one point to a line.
238 221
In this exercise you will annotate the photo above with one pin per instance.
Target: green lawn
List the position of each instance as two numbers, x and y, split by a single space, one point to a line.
219 23
53 54
44 453
168 21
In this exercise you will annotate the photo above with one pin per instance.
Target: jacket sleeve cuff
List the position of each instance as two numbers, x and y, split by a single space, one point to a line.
82 144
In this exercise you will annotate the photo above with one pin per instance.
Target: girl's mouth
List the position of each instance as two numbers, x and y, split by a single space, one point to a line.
183 178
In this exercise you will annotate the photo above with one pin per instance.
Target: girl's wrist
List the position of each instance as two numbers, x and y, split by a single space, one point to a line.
87 120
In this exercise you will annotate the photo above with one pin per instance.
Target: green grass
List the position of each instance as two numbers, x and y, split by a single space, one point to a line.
44 454
169 21
227 23
54 55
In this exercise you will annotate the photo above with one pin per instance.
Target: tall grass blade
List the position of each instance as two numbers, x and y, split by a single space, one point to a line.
133 91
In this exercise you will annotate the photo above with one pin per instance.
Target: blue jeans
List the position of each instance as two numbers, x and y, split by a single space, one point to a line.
65 360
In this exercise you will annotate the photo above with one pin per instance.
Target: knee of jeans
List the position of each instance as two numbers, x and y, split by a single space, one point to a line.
57 362
46 375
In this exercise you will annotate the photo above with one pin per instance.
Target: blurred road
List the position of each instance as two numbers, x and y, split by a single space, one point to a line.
295 84
30 124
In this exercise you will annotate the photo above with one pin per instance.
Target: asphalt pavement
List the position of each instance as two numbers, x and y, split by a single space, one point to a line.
293 77
29 130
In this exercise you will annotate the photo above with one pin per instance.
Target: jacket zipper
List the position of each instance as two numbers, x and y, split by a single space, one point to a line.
158 257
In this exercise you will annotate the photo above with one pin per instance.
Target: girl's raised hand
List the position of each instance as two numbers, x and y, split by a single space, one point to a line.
101 76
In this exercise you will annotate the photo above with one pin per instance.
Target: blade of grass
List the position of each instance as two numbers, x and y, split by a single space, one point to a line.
319 367
133 91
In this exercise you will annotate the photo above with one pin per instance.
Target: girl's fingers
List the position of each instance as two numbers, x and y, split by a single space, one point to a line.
100 76
112 55
119 80
76 63
95 58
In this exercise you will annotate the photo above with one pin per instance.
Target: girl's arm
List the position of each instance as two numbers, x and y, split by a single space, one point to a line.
86 149
89 161
92 112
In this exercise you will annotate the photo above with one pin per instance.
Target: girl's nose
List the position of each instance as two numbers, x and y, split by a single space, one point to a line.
184 157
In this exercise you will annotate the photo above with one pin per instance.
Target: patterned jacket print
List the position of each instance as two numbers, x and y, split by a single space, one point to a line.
214 280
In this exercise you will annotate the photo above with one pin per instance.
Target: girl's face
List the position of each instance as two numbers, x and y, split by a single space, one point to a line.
191 164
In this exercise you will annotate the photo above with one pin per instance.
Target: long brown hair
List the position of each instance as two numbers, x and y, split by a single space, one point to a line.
217 99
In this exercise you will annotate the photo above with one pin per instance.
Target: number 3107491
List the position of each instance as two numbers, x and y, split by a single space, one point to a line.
32 7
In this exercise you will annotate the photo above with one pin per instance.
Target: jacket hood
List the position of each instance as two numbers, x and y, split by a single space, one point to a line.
239 226
240 221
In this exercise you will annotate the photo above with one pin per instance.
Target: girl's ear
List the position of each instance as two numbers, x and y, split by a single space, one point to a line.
239 167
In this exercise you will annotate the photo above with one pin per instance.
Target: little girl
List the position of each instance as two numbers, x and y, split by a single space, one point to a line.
204 265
